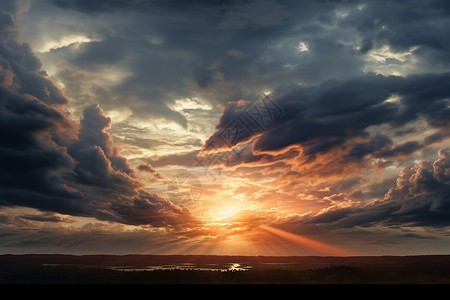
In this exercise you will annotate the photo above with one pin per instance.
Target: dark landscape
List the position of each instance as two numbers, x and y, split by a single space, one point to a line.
210 269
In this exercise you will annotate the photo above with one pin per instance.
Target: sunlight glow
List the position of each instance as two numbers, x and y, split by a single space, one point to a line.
226 213
190 103
64 42
310 245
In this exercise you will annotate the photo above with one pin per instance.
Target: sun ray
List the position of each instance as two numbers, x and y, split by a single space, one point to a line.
309 245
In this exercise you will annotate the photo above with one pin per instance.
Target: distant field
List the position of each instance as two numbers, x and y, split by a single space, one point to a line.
206 269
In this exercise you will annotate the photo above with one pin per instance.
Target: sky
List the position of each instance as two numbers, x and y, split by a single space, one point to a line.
225 127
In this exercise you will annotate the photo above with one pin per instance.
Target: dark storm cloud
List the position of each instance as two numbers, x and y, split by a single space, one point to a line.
18 58
88 6
227 50
93 133
378 142
93 6
323 117
404 25
45 217
95 54
221 51
52 164
326 113
401 149
381 146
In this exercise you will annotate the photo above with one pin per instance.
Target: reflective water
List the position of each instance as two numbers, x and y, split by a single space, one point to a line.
188 266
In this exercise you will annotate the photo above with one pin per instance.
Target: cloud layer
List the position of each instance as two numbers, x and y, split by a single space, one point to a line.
323 118
53 164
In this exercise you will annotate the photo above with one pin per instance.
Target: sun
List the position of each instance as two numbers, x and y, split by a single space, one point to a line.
224 214
228 212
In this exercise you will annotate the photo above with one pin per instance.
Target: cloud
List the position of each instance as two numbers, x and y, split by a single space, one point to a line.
256 14
161 52
331 122
19 234
46 217
414 29
149 169
175 50
146 168
53 164
95 146
420 198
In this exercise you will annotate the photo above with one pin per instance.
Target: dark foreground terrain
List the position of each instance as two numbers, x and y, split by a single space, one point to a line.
205 269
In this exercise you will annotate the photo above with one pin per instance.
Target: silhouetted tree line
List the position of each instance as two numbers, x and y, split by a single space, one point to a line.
328 275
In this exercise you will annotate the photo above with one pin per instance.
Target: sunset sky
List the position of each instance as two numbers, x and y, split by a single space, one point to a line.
225 127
